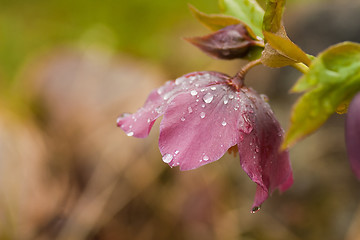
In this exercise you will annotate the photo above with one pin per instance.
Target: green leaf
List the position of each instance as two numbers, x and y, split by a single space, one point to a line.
248 11
282 51
332 81
333 65
213 21
272 19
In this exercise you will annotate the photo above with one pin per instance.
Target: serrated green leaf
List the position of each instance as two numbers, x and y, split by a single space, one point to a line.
333 65
248 11
272 21
333 80
213 21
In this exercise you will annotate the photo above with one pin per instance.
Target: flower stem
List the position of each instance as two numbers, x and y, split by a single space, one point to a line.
301 67
238 80
247 67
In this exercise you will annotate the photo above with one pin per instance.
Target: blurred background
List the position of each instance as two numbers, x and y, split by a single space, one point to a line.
68 68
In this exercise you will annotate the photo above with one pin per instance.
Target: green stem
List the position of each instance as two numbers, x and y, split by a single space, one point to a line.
301 67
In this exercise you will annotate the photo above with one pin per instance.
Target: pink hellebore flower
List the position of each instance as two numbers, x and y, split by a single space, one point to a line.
353 134
206 113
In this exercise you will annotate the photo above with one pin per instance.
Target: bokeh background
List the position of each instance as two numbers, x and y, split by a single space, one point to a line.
68 68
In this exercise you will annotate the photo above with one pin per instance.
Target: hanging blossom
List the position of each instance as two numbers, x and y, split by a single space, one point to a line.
205 114
353 134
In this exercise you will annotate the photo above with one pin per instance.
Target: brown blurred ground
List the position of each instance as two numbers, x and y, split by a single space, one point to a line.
67 172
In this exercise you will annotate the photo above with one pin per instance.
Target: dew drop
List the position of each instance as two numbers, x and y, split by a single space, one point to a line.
205 158
223 123
202 105
202 114
167 158
193 93
179 81
148 120
130 134
190 110
231 96
118 120
182 119
176 152
208 97
226 101
202 90
213 88
264 97
255 209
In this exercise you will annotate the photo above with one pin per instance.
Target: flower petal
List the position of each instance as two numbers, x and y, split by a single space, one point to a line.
259 151
352 134
199 126
140 123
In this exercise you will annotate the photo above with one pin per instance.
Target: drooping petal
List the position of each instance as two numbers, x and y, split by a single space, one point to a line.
352 134
199 128
259 151
139 124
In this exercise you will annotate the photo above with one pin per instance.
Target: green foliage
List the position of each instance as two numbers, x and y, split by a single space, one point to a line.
281 51
213 21
273 15
248 11
331 82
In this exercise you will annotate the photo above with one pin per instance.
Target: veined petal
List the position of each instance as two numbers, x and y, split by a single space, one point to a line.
140 123
199 128
352 134
259 151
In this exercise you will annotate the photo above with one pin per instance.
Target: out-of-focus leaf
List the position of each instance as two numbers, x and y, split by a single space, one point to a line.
273 14
281 51
333 80
248 11
213 21
228 43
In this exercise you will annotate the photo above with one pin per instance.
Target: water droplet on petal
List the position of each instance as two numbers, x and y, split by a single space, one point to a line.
148 120
182 119
202 114
202 90
205 158
193 93
208 97
213 88
226 101
231 96
176 152
190 110
223 123
179 81
264 97
255 209
167 158
130 134
203 105
118 120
